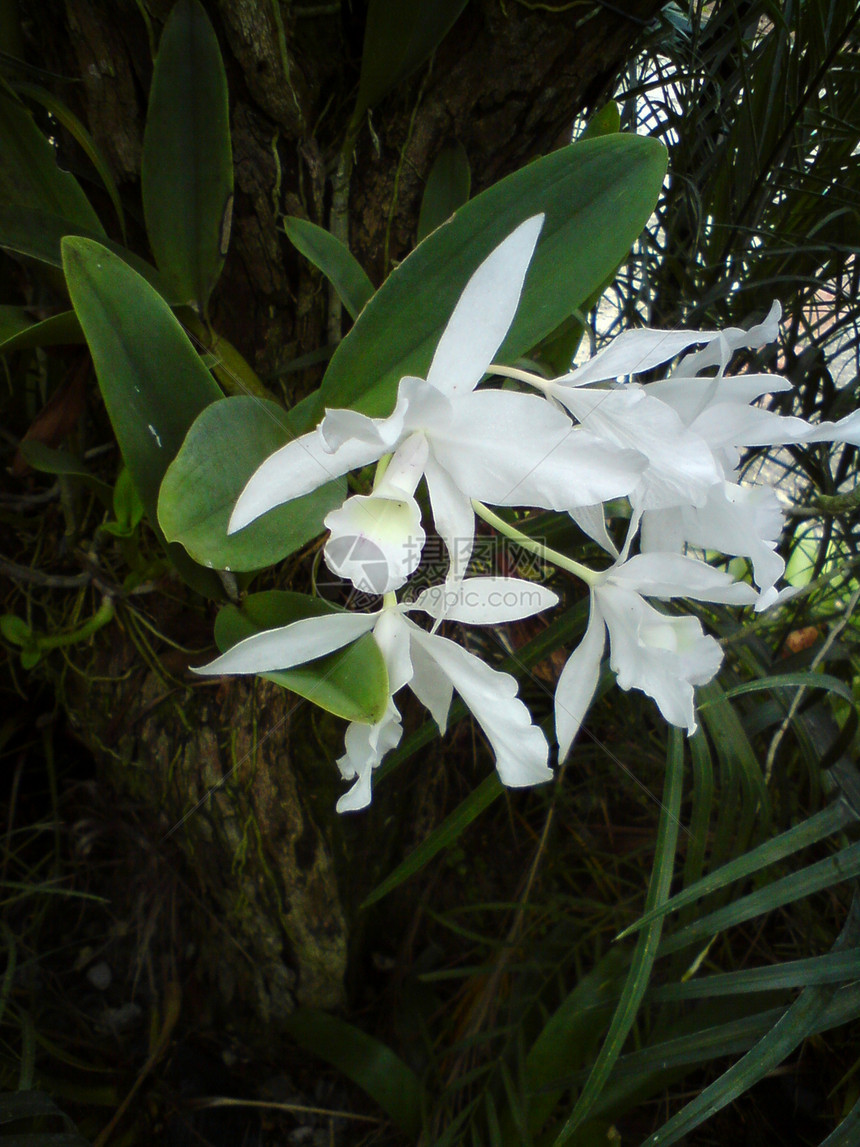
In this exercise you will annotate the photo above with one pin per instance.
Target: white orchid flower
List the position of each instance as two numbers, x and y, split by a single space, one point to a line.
686 426
499 447
663 656
432 666
742 521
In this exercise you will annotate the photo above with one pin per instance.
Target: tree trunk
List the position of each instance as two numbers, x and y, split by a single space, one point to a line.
230 762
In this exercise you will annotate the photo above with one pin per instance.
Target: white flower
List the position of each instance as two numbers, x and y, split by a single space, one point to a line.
648 650
432 666
688 427
500 447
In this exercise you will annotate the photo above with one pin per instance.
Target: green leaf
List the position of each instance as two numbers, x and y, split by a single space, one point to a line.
398 38
334 259
448 186
351 683
187 166
800 1020
29 175
152 380
647 946
815 828
47 460
223 448
366 1061
607 121
86 142
58 330
39 234
596 195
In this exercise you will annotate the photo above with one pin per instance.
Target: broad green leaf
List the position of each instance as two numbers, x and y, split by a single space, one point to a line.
187 165
29 175
334 259
447 188
152 380
223 448
86 142
596 196
646 951
366 1061
58 330
39 234
351 683
398 38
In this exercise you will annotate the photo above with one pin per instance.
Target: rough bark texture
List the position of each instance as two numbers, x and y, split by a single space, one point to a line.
507 83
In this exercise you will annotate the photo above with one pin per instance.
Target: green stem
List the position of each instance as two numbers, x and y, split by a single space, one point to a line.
534 380
589 576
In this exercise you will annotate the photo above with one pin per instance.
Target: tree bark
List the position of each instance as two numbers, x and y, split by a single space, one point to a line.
507 83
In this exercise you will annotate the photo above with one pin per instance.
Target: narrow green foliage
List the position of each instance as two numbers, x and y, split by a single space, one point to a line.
335 260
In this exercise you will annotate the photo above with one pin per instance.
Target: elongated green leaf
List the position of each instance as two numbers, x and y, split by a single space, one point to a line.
58 330
447 832
646 951
833 870
834 968
596 196
51 461
370 1064
223 448
152 380
187 166
29 175
848 1132
448 186
815 828
800 1020
351 683
335 260
75 128
398 38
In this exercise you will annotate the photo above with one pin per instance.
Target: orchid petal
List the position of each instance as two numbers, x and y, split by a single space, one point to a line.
520 747
732 339
578 681
484 313
365 747
592 521
375 542
453 517
634 352
514 449
673 575
301 466
485 600
680 465
290 645
430 685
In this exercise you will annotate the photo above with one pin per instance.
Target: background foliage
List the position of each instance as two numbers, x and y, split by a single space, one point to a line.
489 1000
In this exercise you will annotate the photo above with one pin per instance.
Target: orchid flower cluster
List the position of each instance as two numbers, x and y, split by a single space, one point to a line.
671 448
